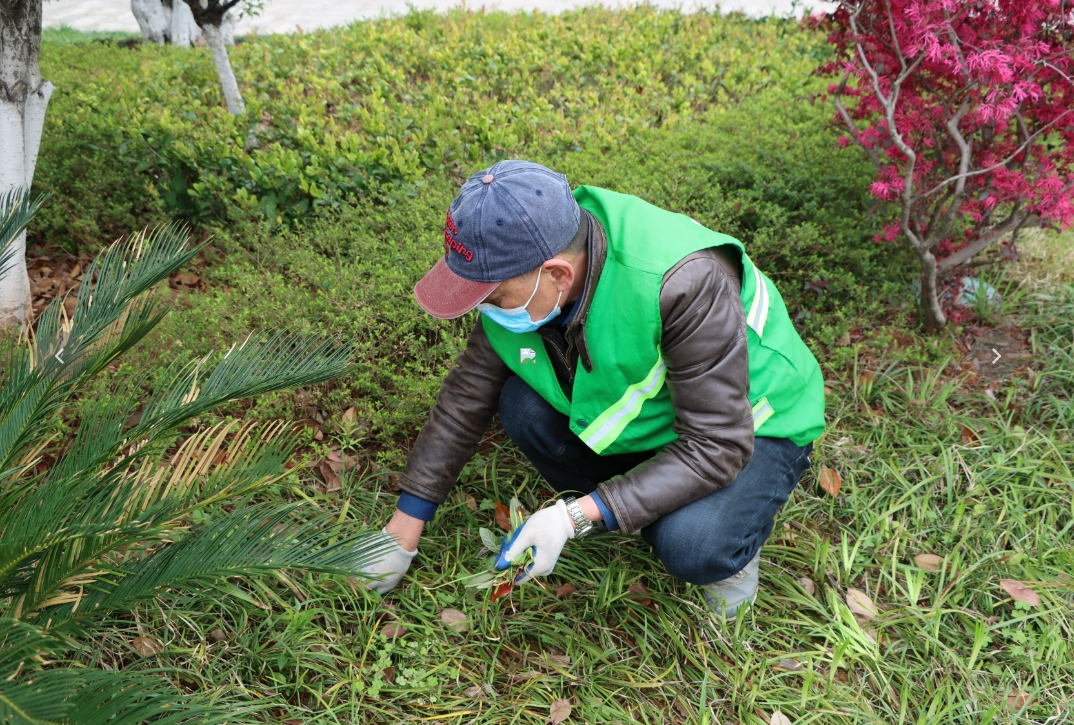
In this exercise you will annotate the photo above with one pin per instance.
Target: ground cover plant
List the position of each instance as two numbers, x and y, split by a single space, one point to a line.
919 574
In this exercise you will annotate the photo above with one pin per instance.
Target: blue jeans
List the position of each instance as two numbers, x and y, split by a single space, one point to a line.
702 542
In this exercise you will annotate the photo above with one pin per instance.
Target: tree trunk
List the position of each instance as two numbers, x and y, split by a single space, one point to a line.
184 30
152 21
215 38
931 310
24 96
227 27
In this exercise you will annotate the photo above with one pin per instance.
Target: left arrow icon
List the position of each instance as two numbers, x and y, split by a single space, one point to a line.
58 357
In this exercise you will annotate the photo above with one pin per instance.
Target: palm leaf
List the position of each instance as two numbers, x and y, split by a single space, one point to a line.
258 539
32 695
16 212
107 321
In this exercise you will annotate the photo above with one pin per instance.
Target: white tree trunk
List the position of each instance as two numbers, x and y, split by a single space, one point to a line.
24 97
152 21
215 39
228 26
184 30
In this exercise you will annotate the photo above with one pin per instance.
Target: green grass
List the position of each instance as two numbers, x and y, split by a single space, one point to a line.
948 646
930 463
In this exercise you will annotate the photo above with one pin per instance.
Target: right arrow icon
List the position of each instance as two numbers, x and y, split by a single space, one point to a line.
998 356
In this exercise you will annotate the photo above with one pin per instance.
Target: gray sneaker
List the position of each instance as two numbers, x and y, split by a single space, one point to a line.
728 595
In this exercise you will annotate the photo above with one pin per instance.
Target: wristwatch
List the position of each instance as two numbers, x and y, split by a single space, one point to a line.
582 525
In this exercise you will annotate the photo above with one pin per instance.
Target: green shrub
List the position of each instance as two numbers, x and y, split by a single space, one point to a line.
136 133
762 176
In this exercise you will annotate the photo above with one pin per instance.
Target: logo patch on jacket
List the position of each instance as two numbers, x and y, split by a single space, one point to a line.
527 356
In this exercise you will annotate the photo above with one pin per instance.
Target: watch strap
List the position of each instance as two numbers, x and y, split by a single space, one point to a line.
582 525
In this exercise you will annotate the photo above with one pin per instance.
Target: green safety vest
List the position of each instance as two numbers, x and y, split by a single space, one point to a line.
623 406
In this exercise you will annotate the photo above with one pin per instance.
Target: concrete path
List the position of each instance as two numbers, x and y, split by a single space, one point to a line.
283 16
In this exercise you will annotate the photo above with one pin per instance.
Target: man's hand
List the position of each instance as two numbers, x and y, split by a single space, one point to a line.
407 532
547 531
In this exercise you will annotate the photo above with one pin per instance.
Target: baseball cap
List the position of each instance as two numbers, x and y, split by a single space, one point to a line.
506 220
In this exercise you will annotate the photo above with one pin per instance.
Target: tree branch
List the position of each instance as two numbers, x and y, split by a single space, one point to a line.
836 98
1016 219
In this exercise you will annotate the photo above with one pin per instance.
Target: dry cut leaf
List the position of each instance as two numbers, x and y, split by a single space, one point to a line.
929 562
807 584
559 711
790 665
860 604
350 416
147 646
968 436
830 480
471 502
455 619
778 718
1020 592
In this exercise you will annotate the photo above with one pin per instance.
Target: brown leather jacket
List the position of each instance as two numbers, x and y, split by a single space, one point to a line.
704 343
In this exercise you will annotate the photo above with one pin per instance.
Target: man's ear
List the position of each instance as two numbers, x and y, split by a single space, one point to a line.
562 273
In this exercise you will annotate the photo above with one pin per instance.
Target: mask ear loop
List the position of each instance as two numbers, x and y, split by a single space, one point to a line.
535 289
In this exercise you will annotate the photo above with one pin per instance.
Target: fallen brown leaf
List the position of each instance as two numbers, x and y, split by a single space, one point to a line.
639 592
778 718
807 584
217 635
147 646
929 562
860 604
790 665
1020 592
968 436
393 629
474 692
329 471
503 516
830 480
455 619
350 416
186 279
565 590
1017 699
471 502
559 711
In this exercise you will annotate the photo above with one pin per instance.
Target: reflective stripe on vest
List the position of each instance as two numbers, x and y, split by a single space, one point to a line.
758 314
761 412
609 424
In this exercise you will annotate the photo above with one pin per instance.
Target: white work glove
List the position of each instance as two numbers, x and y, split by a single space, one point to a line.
547 531
394 565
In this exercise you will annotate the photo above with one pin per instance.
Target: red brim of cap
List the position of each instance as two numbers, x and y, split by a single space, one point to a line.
446 295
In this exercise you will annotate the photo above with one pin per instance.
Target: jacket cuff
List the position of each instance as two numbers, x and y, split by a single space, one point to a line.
419 508
605 512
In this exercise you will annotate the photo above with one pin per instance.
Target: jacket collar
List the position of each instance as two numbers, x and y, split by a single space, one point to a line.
596 250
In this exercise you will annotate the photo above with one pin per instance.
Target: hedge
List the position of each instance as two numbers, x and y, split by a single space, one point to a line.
135 135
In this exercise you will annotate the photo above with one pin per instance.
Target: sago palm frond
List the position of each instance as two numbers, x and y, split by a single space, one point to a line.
255 540
16 212
33 694
64 524
108 320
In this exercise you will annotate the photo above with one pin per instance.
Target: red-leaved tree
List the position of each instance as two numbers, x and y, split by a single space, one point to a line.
967 110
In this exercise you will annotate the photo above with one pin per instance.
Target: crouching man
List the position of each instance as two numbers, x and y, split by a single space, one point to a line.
633 355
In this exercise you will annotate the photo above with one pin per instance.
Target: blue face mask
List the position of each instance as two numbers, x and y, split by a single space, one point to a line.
517 319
